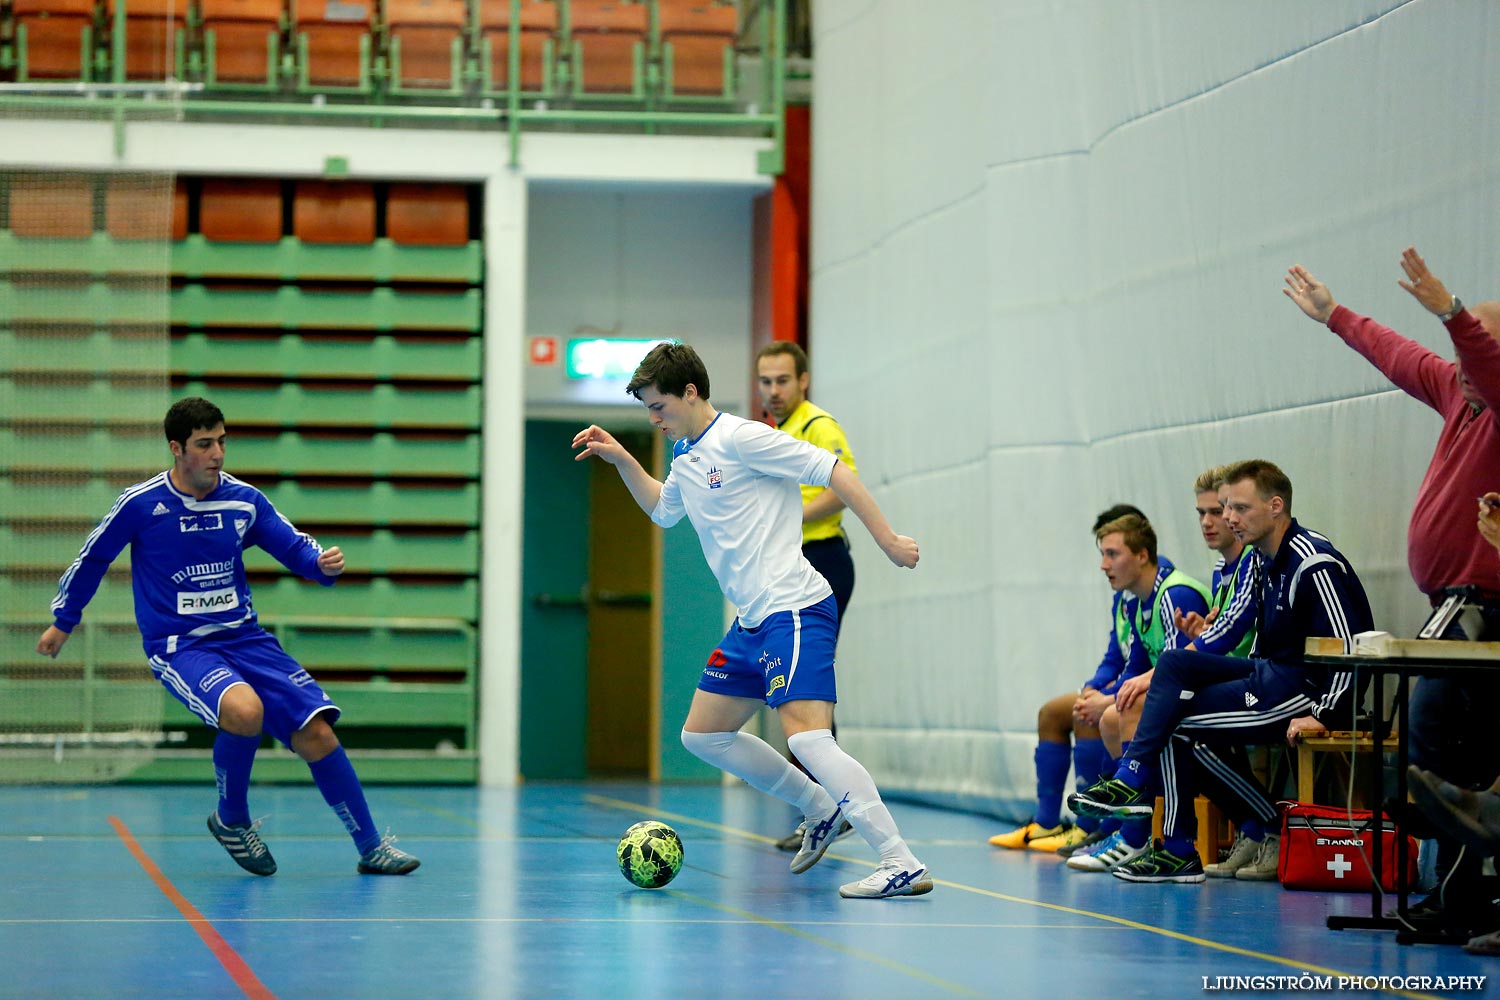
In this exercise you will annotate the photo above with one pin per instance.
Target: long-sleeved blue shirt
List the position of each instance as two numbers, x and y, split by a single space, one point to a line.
1309 589
186 559
1235 591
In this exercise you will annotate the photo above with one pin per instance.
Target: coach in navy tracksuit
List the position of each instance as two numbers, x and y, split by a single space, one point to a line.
1307 588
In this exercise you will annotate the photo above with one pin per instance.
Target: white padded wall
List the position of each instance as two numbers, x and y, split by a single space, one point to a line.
1048 243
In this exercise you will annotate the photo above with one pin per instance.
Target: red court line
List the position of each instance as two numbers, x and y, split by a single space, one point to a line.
227 956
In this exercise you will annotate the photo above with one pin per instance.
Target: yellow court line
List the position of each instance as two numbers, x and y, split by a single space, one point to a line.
1121 921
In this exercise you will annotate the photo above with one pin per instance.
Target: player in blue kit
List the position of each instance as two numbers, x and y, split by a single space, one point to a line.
187 529
737 482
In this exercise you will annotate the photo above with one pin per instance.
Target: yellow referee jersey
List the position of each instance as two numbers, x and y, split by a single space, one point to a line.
817 427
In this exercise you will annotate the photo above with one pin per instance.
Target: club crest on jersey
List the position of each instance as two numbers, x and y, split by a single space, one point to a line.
715 478
240 524
199 522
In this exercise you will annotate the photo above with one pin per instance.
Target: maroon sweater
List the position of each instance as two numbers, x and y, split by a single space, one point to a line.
1443 548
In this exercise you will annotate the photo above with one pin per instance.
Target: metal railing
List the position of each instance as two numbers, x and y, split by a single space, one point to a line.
123 100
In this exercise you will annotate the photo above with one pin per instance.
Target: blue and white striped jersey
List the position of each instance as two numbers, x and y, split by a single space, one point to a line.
186 559
1309 589
1237 618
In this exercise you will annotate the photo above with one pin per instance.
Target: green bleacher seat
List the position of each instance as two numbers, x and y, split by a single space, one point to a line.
128 451
85 402
378 503
293 356
289 308
384 551
379 406
82 351
380 454
367 598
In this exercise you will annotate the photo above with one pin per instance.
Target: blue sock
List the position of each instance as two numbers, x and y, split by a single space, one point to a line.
1136 831
1180 846
1135 773
1052 762
1109 826
340 786
233 758
1088 756
1254 829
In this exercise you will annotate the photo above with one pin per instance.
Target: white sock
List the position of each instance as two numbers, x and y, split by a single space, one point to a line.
752 760
851 786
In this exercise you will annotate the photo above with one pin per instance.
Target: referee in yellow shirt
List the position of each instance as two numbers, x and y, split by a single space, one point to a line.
781 371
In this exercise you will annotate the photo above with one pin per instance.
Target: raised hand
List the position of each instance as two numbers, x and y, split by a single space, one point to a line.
596 441
1193 624
1424 286
1310 294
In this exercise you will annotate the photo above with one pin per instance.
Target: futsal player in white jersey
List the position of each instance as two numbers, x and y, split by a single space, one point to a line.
737 482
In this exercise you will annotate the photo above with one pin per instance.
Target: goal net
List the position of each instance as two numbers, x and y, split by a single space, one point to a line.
85 293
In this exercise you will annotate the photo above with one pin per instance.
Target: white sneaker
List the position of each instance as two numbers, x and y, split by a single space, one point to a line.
816 839
889 880
1118 852
1241 853
1263 868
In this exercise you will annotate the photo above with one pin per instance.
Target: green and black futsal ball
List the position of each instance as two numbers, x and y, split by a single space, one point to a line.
650 854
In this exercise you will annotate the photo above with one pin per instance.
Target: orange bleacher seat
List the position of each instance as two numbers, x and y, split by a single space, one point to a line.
140 208
696 35
427 214
607 35
243 36
153 37
334 212
243 211
426 31
59 34
538 23
59 206
335 31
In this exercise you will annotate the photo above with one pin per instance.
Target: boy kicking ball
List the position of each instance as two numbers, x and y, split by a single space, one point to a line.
737 482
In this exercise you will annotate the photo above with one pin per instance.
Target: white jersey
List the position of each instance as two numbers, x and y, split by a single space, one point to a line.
738 482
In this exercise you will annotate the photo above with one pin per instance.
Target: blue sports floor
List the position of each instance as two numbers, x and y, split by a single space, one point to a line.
114 892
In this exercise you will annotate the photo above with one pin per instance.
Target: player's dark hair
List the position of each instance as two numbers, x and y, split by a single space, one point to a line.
791 349
1114 513
188 415
671 368
1134 530
1270 481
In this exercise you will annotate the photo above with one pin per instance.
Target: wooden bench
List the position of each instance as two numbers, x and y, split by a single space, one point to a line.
1341 742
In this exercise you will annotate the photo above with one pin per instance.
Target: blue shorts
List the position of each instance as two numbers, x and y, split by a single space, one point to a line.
199 675
787 657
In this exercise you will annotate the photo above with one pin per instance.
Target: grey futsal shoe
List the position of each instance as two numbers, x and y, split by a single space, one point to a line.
243 844
386 858
887 881
816 839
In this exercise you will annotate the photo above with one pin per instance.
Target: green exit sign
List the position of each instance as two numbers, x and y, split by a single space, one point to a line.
606 357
